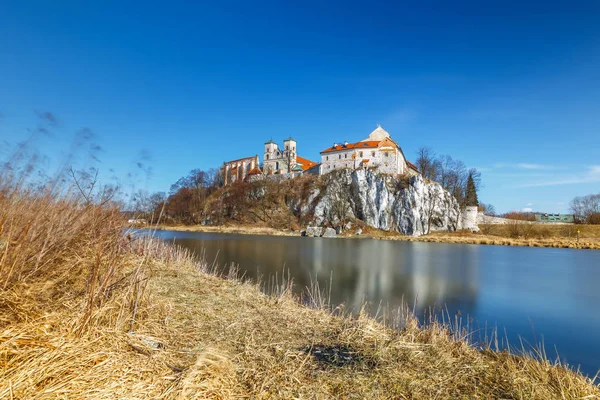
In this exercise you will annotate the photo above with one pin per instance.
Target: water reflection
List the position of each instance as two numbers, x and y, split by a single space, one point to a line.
356 270
532 293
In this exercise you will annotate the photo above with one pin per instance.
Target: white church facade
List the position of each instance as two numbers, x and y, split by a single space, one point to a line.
377 152
285 160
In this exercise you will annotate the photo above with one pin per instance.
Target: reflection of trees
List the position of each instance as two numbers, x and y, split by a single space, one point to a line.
360 270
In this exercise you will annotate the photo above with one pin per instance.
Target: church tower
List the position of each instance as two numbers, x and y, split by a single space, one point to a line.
272 155
289 153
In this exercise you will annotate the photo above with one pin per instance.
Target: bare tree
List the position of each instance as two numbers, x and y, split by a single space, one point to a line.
487 209
586 209
431 202
452 174
426 163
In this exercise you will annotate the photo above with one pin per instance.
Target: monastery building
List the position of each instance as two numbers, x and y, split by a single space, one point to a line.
378 152
284 161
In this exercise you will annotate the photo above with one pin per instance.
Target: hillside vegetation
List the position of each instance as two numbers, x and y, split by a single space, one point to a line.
408 205
87 311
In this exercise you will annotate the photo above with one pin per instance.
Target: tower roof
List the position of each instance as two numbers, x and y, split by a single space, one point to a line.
270 141
290 138
378 134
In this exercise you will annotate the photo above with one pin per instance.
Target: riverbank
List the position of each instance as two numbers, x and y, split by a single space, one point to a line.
552 236
90 313
198 335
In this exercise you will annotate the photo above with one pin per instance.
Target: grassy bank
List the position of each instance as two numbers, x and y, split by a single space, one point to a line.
240 229
89 312
552 236
556 236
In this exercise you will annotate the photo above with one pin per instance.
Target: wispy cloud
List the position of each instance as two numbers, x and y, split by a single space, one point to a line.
479 114
402 116
590 175
527 209
534 166
526 166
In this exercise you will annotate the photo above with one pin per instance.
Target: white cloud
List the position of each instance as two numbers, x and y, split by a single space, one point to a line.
534 166
526 166
591 175
483 169
529 204
527 209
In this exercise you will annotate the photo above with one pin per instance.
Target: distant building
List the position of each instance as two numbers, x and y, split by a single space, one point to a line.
238 170
377 152
549 218
286 160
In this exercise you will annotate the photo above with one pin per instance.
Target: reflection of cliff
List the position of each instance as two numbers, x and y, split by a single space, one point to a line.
393 272
377 271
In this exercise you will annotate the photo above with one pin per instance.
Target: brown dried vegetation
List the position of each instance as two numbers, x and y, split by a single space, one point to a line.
88 312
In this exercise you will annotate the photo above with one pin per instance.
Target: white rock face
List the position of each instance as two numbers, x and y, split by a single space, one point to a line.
412 208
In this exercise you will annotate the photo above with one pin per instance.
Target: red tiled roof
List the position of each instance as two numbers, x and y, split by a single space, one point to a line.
359 145
304 163
365 161
255 171
411 165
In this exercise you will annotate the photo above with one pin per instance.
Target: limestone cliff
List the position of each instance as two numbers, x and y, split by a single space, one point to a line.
411 206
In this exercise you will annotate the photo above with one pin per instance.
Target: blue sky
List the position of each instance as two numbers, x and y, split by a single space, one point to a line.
510 88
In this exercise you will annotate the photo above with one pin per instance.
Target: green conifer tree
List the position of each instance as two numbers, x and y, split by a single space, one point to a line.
471 199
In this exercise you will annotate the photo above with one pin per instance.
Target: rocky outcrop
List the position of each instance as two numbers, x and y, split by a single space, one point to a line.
316 231
313 231
411 206
329 233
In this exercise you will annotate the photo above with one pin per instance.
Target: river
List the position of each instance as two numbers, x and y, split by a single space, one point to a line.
533 294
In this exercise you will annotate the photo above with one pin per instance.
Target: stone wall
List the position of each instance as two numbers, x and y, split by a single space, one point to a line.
387 162
338 160
469 218
237 170
274 177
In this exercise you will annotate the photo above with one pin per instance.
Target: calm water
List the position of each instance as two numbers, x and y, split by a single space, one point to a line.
534 293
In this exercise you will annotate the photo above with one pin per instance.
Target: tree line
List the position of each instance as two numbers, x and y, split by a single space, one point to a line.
454 176
190 200
185 202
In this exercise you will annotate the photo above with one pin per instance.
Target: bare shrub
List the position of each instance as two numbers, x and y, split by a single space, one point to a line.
488 229
514 229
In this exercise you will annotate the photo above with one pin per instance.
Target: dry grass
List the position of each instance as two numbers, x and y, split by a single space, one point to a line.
529 235
546 231
88 313
239 229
